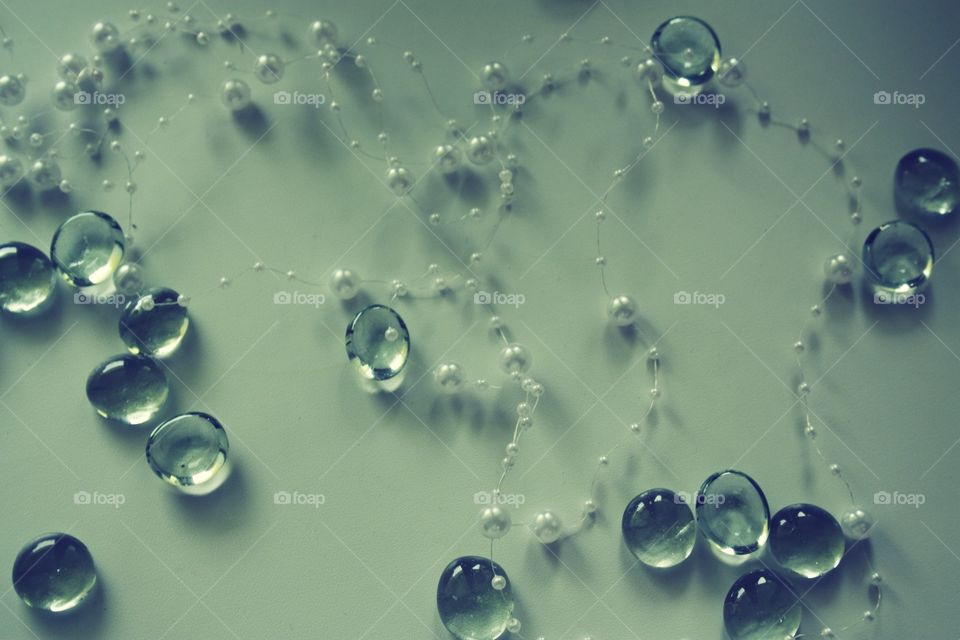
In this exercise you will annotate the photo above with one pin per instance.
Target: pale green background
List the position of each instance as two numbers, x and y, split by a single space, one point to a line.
399 479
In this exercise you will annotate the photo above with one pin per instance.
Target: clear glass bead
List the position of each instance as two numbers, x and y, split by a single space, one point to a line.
806 540
369 347
54 572
898 258
927 184
154 324
128 389
732 513
760 606
27 279
689 51
268 68
658 528
469 606
189 451
87 248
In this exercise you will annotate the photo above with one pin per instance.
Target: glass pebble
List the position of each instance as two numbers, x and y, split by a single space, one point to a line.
369 346
154 324
898 258
54 572
806 540
927 183
87 248
760 606
469 606
27 279
659 528
688 49
732 513
128 389
189 451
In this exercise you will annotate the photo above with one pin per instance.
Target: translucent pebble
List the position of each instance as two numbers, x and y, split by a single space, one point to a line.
732 513
658 528
128 389
154 324
469 606
54 573
926 184
374 355
87 248
806 540
761 606
28 279
688 49
189 451
898 259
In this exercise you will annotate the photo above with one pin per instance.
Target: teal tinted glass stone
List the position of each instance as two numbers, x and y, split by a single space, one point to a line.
128 389
760 606
87 248
806 540
927 183
189 450
898 258
154 324
688 49
54 572
469 607
659 528
27 279
378 342
732 513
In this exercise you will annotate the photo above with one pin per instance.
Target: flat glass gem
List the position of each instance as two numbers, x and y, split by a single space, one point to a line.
732 513
469 607
760 606
806 540
688 49
927 183
659 528
188 450
54 572
27 279
378 342
87 248
154 324
128 389
898 258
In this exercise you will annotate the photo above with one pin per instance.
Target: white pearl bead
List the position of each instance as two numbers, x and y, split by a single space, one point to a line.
345 283
494 76
183 300
512 449
235 94
64 95
589 507
494 522
399 180
498 582
547 527
857 524
515 358
447 158
480 149
147 303
324 32
268 68
657 107
649 70
731 73
622 310
105 37
838 269
449 377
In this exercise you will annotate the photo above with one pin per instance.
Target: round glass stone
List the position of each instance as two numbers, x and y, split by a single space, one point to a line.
87 248
806 540
732 513
54 572
688 49
27 279
154 324
659 528
760 606
469 607
188 450
898 258
927 183
378 342
128 389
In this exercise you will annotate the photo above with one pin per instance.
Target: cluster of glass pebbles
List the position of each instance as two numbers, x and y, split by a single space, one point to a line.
659 528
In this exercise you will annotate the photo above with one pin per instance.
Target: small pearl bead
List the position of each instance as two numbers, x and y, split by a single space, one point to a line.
391 334
876 578
835 469
345 284
839 269
601 261
655 392
183 300
869 616
815 310
635 427
604 461
513 449
810 431
803 388
258 266
547 527
589 506
856 182
827 632
798 346
224 282
494 522
498 583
